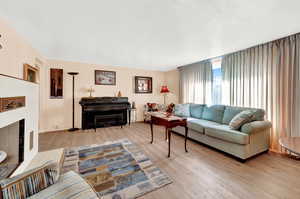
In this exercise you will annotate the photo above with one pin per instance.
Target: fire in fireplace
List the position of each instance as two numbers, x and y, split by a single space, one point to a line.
12 142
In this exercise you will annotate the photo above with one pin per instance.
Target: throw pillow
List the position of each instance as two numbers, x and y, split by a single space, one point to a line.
241 119
31 182
170 108
152 107
182 110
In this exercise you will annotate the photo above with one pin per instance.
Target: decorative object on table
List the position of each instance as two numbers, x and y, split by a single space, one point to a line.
133 105
119 94
143 84
169 122
291 146
3 156
91 90
31 73
56 83
73 74
11 103
127 174
164 90
103 77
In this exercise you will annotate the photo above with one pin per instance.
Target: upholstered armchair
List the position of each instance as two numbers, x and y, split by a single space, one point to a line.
152 107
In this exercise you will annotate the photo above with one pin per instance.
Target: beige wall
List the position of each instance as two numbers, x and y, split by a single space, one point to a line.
172 80
15 52
56 113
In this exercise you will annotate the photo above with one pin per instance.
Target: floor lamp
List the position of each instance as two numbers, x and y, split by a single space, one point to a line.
164 90
73 114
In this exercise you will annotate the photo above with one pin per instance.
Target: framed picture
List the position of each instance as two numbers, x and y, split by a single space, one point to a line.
143 84
31 73
103 77
56 83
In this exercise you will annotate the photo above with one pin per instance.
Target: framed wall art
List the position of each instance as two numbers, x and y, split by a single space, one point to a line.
31 73
143 84
103 77
56 83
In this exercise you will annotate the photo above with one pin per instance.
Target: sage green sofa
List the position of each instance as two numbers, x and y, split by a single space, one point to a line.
210 125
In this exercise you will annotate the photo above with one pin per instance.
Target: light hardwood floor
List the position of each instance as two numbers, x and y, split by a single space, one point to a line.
201 173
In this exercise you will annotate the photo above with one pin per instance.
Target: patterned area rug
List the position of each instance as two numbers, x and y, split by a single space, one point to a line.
116 170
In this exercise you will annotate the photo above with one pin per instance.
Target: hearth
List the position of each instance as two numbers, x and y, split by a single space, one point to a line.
12 142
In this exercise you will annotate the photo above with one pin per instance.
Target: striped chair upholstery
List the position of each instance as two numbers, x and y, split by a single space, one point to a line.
70 185
30 182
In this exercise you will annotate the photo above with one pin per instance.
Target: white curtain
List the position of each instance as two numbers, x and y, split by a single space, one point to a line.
196 83
267 76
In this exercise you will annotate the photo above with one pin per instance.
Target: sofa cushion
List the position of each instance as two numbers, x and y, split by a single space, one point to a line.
70 185
223 132
30 182
231 111
256 126
241 119
182 110
213 113
197 110
199 125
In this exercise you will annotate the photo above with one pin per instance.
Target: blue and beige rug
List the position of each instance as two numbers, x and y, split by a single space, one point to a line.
116 170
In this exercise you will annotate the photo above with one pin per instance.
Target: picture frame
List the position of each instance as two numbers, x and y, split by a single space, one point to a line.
56 83
31 73
104 77
143 84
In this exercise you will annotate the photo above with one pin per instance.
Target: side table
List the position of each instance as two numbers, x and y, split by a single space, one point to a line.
292 145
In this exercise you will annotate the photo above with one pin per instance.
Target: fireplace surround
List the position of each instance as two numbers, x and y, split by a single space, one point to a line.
26 116
12 142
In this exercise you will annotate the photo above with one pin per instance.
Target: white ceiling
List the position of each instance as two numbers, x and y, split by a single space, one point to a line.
148 34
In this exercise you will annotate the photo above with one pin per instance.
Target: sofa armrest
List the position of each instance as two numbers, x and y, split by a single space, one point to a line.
256 126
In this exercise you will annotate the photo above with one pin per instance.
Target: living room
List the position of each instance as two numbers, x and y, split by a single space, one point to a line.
176 99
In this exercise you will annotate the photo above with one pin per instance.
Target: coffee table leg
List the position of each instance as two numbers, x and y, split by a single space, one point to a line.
169 138
166 133
186 135
151 127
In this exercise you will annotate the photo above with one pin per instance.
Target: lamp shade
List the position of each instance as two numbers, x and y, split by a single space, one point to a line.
164 89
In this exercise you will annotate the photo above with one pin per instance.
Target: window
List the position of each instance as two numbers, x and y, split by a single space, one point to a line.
217 81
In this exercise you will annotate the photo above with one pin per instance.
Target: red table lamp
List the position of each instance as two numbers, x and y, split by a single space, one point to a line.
165 91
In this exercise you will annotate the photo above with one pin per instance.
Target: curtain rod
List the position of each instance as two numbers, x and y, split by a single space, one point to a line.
221 56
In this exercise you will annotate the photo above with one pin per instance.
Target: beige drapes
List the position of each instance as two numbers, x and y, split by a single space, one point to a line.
196 83
267 76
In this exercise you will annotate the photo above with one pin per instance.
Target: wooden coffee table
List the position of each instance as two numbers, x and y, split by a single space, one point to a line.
159 118
291 144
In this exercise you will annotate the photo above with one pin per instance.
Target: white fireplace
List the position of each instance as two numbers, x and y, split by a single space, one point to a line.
29 114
